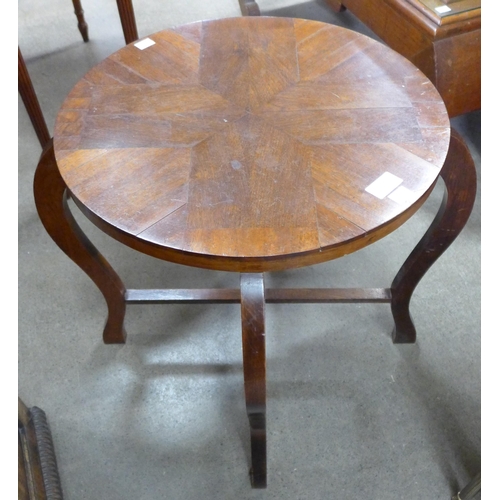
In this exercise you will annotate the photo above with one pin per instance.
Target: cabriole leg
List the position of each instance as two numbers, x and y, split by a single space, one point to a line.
52 206
459 175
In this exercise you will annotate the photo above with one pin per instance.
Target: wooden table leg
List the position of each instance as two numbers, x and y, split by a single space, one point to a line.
254 369
30 100
82 25
249 8
127 18
459 175
52 206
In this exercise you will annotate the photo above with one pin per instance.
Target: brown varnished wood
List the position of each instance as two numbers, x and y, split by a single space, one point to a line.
459 175
246 144
82 24
249 8
447 48
53 210
458 9
30 476
38 475
127 19
25 85
336 5
30 100
459 94
254 371
414 16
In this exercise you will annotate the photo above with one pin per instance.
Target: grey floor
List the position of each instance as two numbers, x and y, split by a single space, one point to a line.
350 415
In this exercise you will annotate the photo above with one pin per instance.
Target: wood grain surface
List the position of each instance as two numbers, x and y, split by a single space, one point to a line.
246 144
445 46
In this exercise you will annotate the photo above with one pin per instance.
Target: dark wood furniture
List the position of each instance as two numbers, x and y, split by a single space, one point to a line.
249 7
441 37
82 24
30 101
25 85
248 145
38 477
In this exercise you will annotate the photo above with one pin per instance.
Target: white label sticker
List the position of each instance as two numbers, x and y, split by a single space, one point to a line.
144 44
384 185
402 195
442 9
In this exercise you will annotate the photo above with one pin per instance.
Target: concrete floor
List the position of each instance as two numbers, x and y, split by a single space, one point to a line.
350 415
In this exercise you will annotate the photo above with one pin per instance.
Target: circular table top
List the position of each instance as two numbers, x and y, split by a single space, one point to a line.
248 144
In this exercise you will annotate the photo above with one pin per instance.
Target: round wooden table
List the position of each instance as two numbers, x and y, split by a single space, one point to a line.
253 144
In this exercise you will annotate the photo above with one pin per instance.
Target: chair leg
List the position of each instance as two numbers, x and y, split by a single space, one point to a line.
52 206
336 5
127 18
459 175
249 8
38 474
471 490
82 25
254 370
30 100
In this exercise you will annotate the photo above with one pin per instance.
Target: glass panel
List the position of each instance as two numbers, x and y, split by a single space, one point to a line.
445 8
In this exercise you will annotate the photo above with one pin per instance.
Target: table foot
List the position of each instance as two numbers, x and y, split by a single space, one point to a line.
335 5
52 206
254 371
459 175
82 25
249 8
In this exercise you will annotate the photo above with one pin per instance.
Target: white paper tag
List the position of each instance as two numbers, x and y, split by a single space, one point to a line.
144 44
384 185
442 9
402 195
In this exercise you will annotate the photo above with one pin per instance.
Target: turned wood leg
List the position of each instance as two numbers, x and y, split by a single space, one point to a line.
30 100
38 473
254 370
471 490
82 25
459 175
127 18
53 210
336 5
249 8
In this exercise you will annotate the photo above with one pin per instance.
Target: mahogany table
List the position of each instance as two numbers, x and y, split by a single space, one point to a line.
251 145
